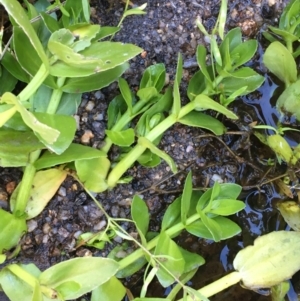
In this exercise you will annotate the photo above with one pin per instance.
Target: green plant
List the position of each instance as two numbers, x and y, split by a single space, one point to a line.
272 259
58 60
225 76
203 215
278 144
280 58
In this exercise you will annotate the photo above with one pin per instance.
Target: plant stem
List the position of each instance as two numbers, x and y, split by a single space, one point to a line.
25 185
34 84
124 164
289 46
22 274
217 286
171 232
138 150
56 97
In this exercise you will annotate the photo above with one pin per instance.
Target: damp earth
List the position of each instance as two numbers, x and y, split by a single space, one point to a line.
238 156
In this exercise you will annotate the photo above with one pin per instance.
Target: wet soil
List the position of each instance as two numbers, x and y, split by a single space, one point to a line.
169 28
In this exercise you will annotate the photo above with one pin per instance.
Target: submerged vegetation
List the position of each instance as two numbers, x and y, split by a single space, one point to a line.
58 57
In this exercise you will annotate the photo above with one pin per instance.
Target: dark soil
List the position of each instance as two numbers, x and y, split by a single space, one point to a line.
169 28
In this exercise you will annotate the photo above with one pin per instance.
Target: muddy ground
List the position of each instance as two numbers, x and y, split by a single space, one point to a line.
169 28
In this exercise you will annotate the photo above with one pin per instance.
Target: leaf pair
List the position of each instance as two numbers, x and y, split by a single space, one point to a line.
232 80
289 25
91 165
64 281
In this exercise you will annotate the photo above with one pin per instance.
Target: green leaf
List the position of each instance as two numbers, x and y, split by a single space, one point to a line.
94 82
44 132
198 119
289 16
12 229
147 93
186 198
222 18
197 85
9 282
15 147
198 229
229 191
140 214
243 53
215 50
281 63
15 10
121 138
65 125
170 257
201 60
243 77
84 34
229 228
287 36
116 108
79 271
288 101
226 207
192 260
204 200
154 76
232 39
99 57
212 226
203 102
162 105
272 259
50 22
126 93
13 67
6 113
290 211
92 173
135 11
148 159
7 81
281 147
225 228
106 31
72 153
278 292
111 290
176 95
44 186
148 144
172 215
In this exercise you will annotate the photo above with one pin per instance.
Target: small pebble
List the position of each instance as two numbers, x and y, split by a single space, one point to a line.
86 137
99 225
90 106
217 178
99 95
10 187
46 228
63 232
31 225
45 239
62 191
99 117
